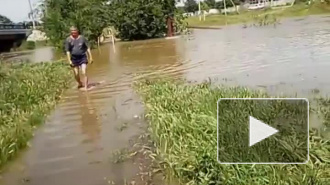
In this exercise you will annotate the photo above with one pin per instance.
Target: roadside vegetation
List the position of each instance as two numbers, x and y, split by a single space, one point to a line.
145 20
183 126
27 93
245 16
148 19
89 16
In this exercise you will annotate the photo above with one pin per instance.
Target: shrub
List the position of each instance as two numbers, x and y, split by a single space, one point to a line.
27 93
89 16
30 45
191 6
140 19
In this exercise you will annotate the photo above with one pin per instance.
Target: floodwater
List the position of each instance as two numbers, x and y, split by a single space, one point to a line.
76 142
292 58
33 56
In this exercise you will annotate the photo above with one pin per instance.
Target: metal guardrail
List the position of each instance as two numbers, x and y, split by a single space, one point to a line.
5 26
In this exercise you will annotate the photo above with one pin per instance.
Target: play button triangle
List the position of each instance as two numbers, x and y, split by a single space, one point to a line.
259 131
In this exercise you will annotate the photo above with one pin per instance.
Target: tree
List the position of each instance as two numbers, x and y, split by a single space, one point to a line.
168 7
141 19
191 6
229 3
89 16
211 3
205 6
4 19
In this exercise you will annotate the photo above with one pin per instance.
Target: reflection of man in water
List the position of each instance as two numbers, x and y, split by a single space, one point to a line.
89 121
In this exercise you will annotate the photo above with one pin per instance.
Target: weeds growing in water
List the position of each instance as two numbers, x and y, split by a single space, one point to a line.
324 109
122 127
122 155
27 93
182 120
267 19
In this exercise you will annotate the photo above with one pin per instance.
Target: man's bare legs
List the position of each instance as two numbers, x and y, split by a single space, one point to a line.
77 76
83 71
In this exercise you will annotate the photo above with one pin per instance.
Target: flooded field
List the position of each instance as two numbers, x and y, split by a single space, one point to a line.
75 144
293 58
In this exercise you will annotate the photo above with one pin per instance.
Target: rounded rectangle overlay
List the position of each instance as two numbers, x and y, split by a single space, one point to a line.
263 130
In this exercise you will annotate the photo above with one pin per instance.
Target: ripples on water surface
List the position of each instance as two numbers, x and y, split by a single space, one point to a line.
80 135
292 58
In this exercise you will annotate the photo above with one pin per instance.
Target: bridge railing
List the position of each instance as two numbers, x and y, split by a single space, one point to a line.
6 26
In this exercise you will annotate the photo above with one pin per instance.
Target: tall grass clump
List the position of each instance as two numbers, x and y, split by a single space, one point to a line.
27 93
183 125
30 45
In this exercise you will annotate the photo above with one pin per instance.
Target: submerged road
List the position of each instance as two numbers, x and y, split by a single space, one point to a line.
79 137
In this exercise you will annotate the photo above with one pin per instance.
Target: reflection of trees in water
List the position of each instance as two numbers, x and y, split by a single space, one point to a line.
150 58
144 53
89 122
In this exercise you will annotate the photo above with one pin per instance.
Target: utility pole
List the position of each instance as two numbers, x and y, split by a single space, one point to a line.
225 8
32 15
199 10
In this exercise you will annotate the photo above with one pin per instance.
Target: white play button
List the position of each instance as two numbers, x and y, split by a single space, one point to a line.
259 131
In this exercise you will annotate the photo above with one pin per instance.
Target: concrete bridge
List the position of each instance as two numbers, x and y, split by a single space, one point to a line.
12 35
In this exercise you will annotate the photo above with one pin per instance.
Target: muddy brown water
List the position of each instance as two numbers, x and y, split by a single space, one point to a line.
75 144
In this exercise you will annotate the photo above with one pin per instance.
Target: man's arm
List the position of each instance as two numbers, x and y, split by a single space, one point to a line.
88 50
69 57
90 54
67 49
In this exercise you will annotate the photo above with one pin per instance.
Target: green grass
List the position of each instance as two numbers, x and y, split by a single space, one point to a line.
183 121
251 16
324 110
27 93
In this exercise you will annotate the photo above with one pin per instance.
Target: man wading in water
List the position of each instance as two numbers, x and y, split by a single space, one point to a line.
76 47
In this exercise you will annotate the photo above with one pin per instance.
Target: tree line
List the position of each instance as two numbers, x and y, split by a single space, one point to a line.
4 19
133 19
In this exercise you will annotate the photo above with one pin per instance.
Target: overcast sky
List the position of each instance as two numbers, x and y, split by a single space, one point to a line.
15 10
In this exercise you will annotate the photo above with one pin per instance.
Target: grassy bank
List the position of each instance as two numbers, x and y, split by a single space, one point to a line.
250 16
182 120
27 93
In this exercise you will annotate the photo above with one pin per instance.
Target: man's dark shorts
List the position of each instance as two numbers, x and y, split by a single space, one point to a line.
78 60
